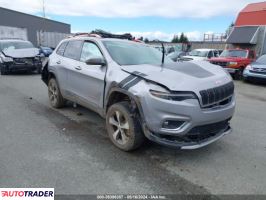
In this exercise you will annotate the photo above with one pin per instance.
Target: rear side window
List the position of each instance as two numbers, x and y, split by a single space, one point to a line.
61 49
73 49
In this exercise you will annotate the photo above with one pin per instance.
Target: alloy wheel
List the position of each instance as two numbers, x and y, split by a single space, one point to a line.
120 127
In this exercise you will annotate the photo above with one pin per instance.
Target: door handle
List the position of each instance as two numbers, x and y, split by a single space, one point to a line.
58 62
78 68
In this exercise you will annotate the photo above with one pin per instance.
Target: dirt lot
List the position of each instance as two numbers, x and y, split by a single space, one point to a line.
68 149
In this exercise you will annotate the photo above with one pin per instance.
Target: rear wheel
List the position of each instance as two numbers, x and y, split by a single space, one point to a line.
123 129
55 97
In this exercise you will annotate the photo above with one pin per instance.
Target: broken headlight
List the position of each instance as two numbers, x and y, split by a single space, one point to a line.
174 96
7 59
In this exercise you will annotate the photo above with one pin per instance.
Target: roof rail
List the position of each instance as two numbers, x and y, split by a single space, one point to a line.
103 34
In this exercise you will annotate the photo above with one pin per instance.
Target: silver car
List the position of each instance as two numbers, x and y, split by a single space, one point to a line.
256 71
182 105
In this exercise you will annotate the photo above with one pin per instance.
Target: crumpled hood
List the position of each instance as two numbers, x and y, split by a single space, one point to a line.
21 53
183 76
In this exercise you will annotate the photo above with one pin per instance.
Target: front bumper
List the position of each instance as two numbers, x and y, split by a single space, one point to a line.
187 136
249 75
187 145
231 70
14 67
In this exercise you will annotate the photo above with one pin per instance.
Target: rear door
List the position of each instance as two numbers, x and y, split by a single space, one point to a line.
70 61
87 81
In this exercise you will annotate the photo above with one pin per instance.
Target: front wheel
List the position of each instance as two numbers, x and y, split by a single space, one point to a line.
239 74
123 129
4 70
55 97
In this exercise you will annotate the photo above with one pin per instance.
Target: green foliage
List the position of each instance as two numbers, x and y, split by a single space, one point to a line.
182 39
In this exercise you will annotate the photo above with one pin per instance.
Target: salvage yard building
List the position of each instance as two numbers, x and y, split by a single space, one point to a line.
250 28
40 31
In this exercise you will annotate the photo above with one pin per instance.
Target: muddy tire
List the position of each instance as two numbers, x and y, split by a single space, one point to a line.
54 94
123 129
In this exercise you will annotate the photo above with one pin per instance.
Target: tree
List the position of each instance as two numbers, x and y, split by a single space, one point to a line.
175 39
141 38
146 40
183 38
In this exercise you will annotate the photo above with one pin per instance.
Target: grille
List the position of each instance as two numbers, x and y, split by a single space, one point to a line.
223 64
217 95
23 60
258 70
203 132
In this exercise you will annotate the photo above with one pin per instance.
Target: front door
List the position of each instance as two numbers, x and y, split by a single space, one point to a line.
88 80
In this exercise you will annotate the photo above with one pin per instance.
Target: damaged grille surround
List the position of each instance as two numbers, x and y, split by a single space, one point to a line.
217 96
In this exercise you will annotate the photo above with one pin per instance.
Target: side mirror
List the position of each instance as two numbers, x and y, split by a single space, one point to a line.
96 61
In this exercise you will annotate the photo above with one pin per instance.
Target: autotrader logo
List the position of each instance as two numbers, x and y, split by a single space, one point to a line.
27 193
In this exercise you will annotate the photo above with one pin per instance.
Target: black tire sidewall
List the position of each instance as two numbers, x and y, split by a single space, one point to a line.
136 137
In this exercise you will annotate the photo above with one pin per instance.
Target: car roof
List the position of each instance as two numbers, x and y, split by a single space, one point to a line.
204 49
98 39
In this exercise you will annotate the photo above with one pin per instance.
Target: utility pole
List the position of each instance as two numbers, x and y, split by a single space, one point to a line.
43 8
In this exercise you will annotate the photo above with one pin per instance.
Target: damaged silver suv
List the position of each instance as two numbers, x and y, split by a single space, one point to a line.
140 93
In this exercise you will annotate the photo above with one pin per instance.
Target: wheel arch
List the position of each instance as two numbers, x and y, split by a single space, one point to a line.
117 94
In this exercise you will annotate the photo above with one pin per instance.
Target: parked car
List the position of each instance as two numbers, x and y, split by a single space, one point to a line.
235 61
175 56
201 54
46 51
256 71
183 105
19 55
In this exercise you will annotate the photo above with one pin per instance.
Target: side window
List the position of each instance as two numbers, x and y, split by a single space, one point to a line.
216 53
61 49
210 54
73 49
90 50
251 55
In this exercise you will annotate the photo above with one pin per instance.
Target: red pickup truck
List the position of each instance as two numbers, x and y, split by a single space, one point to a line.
235 61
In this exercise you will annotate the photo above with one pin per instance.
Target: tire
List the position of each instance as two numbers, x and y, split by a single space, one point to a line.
124 130
54 94
4 70
239 74
39 70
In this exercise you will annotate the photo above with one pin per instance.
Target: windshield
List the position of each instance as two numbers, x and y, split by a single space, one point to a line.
133 53
10 45
262 59
234 53
198 53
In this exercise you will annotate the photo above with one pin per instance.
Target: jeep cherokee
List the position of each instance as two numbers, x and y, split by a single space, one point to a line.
184 105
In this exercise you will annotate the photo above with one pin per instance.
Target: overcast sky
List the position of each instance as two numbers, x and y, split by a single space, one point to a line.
159 19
